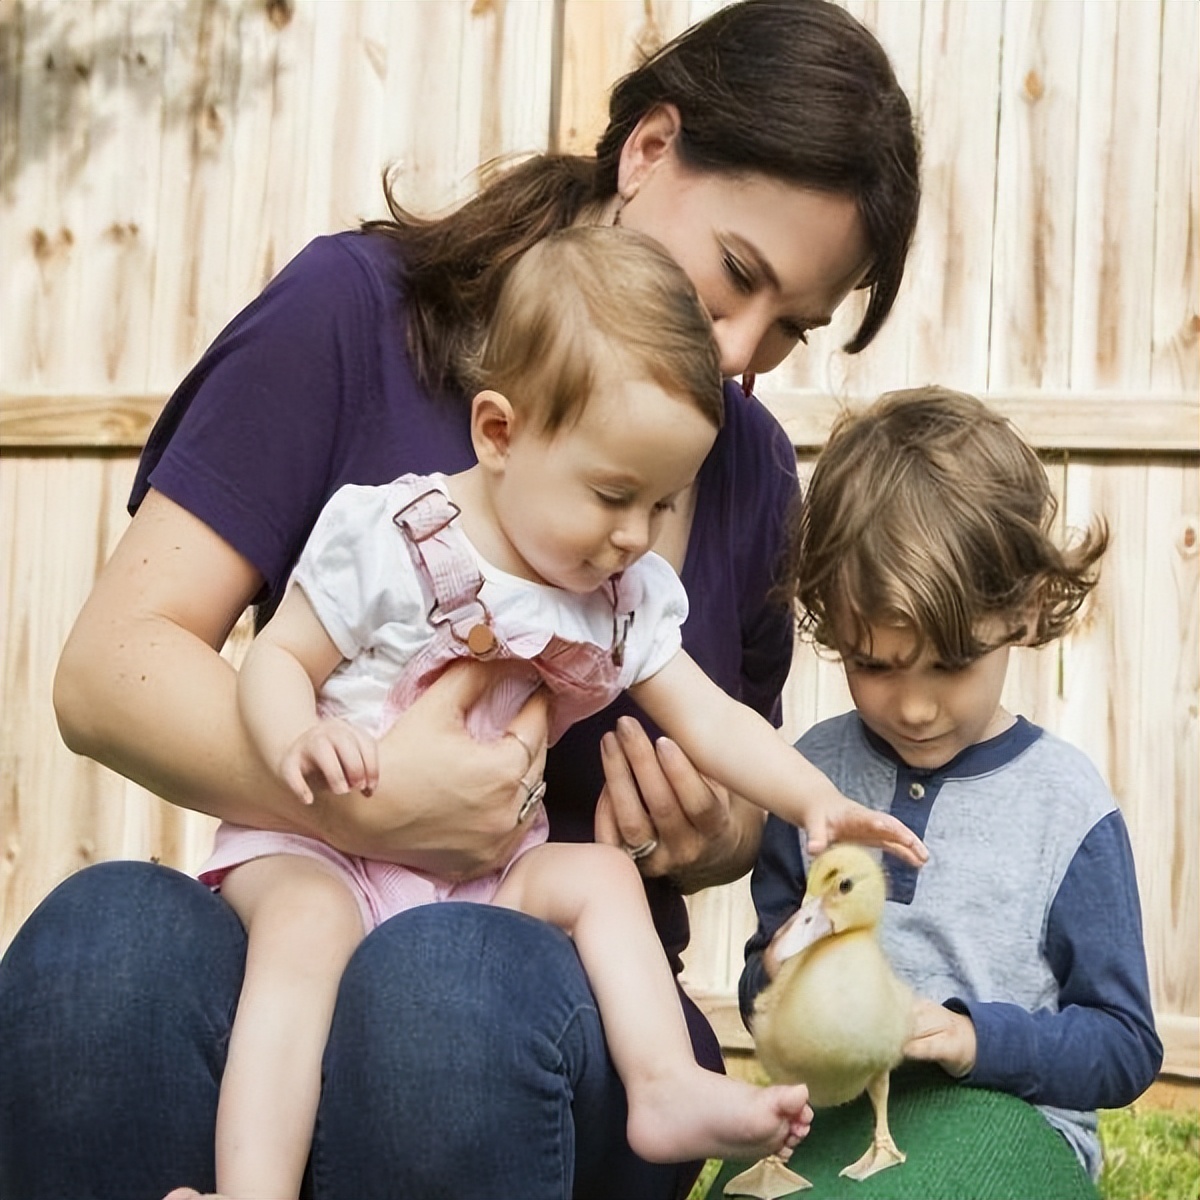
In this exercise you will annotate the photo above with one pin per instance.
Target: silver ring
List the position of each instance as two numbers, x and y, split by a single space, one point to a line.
533 797
637 853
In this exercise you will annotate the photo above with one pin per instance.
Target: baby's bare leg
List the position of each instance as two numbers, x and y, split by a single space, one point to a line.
303 925
677 1110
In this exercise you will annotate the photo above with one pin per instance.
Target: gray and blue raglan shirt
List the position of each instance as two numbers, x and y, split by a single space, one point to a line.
1026 917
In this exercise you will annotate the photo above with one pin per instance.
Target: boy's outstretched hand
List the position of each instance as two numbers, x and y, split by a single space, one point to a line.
836 818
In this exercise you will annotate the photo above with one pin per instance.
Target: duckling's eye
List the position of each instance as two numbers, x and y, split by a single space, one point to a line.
847 885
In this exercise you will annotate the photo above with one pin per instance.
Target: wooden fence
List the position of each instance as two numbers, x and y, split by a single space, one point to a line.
160 160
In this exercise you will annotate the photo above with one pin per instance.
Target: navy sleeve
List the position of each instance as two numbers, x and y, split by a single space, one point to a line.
1100 1050
777 888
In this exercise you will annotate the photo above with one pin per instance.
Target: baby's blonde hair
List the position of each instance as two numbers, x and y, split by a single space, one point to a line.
591 304
929 512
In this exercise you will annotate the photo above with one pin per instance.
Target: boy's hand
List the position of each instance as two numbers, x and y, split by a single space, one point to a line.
334 751
839 819
941 1036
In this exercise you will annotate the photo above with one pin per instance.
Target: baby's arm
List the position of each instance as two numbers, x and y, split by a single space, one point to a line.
277 697
741 750
1100 1049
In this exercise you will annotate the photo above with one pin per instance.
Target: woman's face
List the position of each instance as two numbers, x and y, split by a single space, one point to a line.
770 260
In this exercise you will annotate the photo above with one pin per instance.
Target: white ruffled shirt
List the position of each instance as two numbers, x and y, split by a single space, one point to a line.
359 577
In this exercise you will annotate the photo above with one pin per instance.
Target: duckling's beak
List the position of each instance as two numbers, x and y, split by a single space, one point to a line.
808 925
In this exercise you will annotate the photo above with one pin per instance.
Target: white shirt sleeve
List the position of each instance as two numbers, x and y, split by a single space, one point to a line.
358 574
656 635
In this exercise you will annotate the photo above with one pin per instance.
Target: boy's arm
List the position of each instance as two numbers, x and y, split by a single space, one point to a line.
285 666
1100 1050
777 887
737 747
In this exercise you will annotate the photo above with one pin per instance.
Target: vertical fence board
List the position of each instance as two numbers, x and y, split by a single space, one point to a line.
1035 205
1175 351
1114 248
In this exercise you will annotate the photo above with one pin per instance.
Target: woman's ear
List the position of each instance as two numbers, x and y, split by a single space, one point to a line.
652 140
492 426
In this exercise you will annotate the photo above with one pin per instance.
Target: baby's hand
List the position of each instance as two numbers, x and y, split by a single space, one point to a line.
941 1036
334 751
836 818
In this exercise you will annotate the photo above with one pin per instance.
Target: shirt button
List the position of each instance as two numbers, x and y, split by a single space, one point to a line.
481 640
916 791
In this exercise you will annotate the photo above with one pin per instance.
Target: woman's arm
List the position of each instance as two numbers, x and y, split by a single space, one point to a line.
142 689
735 745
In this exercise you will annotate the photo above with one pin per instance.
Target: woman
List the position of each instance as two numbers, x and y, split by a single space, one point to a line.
772 153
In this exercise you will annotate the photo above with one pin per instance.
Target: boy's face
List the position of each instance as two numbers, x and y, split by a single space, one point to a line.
927 712
580 505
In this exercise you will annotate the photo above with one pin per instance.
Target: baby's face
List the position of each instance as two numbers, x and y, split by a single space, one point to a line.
927 711
581 504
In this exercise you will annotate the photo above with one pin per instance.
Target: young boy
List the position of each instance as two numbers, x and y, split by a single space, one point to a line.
923 554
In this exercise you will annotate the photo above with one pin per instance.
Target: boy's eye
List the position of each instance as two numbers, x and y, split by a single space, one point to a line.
868 666
665 506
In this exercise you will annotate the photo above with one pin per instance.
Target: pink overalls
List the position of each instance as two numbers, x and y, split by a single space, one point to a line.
582 677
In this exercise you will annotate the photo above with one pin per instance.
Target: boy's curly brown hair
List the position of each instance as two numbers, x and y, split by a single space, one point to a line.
929 511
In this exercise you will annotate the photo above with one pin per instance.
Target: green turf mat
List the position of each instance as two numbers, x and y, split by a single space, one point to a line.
962 1144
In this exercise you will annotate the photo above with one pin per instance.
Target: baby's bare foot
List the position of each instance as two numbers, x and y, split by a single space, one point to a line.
704 1115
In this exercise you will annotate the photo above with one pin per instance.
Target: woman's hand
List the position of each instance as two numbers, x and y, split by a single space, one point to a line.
941 1036
701 834
445 803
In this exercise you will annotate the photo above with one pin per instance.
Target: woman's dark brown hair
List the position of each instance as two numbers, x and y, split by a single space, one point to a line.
796 90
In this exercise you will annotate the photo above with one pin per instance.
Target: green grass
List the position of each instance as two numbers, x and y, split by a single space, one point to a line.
1150 1154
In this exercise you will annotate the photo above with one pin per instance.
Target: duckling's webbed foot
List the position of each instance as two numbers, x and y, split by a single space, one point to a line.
883 1151
878 1158
767 1180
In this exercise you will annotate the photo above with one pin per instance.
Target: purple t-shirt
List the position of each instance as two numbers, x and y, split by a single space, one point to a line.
310 388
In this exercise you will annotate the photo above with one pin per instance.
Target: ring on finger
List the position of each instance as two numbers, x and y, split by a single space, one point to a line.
637 853
534 792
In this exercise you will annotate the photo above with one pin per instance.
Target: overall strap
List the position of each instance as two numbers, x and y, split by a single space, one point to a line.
446 563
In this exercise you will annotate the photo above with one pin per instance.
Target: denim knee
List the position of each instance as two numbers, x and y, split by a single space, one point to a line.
116 999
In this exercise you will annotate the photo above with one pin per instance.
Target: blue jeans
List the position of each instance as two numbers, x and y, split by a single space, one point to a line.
466 1058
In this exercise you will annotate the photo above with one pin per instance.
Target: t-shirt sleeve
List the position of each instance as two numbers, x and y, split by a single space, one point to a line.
358 574
246 443
657 631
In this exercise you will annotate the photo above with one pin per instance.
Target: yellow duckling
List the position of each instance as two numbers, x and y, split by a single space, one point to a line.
834 1017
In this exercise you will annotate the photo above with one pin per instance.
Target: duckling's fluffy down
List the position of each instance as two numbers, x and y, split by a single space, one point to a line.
835 1016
